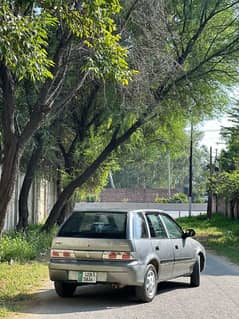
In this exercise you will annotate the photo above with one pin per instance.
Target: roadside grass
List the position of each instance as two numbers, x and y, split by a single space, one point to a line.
17 284
24 246
23 267
220 233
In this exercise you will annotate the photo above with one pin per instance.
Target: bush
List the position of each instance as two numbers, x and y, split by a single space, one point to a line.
178 198
161 199
19 246
16 248
91 198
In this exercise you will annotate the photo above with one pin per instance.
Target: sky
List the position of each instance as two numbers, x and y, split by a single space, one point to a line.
211 130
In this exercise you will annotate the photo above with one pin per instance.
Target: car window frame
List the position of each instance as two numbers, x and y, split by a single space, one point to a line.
146 224
160 219
170 218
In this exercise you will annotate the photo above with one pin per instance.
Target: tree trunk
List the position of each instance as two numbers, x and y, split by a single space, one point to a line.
226 207
65 212
26 186
216 200
8 178
232 206
237 207
209 205
58 181
62 215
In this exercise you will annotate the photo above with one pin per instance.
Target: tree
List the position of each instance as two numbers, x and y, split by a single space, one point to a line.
200 54
229 157
69 143
28 50
148 165
226 185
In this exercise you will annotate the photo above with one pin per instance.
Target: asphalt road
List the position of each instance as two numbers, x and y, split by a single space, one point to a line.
217 297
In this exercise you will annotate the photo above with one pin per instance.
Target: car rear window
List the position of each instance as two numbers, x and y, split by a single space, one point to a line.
95 225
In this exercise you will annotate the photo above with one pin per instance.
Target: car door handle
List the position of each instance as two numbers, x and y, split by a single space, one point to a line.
157 248
176 246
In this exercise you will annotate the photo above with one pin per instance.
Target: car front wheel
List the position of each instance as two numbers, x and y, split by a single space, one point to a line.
147 292
64 289
195 276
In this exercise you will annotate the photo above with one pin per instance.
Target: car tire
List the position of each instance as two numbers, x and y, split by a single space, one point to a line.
147 292
195 276
64 289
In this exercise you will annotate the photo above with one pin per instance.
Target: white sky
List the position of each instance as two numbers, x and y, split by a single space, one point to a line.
211 130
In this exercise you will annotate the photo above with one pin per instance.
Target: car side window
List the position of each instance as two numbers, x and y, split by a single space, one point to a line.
156 227
174 230
139 227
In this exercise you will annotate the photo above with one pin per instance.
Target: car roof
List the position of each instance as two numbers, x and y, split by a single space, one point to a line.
118 210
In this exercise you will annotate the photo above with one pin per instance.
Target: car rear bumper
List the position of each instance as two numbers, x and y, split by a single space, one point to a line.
121 273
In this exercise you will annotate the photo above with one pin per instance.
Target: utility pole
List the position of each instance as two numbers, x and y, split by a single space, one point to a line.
169 175
190 188
209 203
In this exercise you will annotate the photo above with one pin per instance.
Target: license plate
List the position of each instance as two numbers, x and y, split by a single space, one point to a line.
87 276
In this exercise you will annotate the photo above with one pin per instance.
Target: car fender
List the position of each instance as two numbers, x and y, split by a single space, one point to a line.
199 251
152 259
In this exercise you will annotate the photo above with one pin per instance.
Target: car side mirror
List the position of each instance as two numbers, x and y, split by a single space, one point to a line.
189 233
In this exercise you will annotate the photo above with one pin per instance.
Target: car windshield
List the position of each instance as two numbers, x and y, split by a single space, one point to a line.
95 225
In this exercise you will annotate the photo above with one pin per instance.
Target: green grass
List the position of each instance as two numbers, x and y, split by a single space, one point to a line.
19 275
25 246
17 284
220 234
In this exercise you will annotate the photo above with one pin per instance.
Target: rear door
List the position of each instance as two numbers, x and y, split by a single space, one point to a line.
183 250
140 235
161 245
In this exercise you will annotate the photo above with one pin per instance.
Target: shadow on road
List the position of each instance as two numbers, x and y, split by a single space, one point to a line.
91 298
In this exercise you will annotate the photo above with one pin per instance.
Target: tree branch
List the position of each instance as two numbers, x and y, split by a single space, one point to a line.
128 16
73 145
203 23
62 104
58 81
57 59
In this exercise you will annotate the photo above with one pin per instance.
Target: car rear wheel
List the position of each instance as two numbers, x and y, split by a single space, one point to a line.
147 292
195 276
64 289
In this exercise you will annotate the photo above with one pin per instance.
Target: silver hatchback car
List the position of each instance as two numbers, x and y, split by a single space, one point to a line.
124 248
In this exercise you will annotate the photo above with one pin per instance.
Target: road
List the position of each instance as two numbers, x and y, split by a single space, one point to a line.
217 297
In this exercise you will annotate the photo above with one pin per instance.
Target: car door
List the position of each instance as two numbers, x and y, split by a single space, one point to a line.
141 237
182 247
161 245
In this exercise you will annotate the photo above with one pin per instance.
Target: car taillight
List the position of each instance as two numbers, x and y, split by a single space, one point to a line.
56 253
117 255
